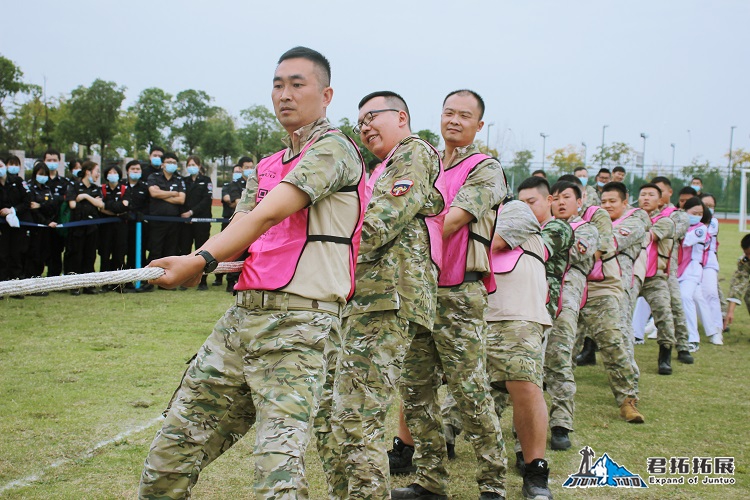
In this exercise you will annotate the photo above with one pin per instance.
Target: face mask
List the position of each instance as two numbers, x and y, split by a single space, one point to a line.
90 179
3 171
711 210
695 219
42 179
236 176
171 167
697 188
584 180
75 172
600 184
193 170
113 178
52 165
248 172
156 161
13 169
134 176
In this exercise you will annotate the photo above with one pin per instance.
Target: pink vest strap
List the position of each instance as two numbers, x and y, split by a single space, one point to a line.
652 250
627 214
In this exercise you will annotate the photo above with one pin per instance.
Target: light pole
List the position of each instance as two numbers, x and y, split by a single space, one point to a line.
604 128
731 137
488 135
644 135
544 145
585 150
672 145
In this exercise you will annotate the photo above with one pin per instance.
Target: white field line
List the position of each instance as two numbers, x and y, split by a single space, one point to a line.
19 483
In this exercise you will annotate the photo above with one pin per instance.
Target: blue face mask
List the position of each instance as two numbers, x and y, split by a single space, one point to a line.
193 170
52 165
236 176
42 179
3 171
171 167
90 179
600 184
248 172
156 161
13 169
711 210
134 176
695 219
75 173
113 178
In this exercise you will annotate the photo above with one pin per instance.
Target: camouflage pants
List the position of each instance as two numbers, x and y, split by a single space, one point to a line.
256 364
656 291
456 345
558 368
367 373
678 314
627 305
600 318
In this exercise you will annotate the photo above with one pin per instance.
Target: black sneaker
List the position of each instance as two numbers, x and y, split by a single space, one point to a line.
685 357
416 491
559 439
202 287
520 464
451 448
217 282
399 458
535 480
490 495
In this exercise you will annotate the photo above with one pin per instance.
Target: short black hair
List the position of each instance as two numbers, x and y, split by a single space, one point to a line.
662 180
707 195
156 148
604 170
318 59
533 182
392 98
40 165
616 186
696 178
696 202
51 151
170 155
476 96
15 160
113 166
540 171
578 169
745 242
131 163
571 178
560 186
650 185
687 190
618 168
244 159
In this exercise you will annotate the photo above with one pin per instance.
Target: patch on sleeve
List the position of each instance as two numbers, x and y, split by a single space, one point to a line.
624 231
699 232
401 187
582 246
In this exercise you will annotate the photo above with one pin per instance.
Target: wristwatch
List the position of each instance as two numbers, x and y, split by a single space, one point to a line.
211 263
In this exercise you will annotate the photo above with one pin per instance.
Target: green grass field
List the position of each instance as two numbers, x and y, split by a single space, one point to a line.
84 379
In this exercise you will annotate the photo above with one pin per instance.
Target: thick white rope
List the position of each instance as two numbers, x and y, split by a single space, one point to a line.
73 281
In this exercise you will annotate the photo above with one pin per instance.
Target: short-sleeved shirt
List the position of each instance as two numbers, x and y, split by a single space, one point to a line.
162 207
198 195
138 197
15 194
558 238
234 190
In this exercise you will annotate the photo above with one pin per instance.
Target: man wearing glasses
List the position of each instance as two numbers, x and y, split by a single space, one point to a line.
395 296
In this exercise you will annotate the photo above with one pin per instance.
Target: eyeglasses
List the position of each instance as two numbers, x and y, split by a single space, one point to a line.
370 116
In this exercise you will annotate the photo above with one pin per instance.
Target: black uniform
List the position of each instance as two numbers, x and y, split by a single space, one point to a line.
80 253
198 199
138 200
234 190
40 237
14 241
57 238
164 236
113 237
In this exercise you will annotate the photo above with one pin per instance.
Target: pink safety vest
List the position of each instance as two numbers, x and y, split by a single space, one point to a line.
434 222
617 223
652 250
585 294
506 260
597 273
455 248
273 258
685 254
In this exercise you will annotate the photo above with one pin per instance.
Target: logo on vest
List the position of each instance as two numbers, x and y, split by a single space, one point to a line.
262 193
603 472
624 231
401 187
582 246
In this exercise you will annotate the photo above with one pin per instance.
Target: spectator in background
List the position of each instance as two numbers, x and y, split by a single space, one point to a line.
136 192
618 174
602 178
113 236
74 166
85 200
153 165
685 194
198 199
590 196
43 211
58 185
231 192
710 281
14 207
539 173
167 192
697 184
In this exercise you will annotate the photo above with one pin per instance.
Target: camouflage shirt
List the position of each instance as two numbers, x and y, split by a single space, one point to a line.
740 280
630 235
681 225
592 197
585 245
394 267
516 223
558 238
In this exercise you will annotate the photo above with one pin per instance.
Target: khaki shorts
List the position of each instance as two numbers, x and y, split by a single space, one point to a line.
515 352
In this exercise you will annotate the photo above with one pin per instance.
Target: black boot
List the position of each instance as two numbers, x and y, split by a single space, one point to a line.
587 355
416 491
559 439
399 458
685 357
203 285
665 360
219 280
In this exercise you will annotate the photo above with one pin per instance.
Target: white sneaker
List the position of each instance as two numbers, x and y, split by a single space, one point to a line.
717 339
693 346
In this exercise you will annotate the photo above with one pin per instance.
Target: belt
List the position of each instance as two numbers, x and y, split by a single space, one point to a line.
472 276
280 301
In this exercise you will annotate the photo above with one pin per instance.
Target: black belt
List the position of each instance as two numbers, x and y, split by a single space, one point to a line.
473 276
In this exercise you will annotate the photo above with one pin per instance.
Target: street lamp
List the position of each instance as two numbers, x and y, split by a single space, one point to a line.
544 145
585 149
731 137
604 128
672 157
488 135
644 135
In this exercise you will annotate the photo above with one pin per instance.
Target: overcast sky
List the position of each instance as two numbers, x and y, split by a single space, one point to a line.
676 70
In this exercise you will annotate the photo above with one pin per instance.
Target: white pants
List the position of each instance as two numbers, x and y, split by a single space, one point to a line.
692 304
714 323
640 317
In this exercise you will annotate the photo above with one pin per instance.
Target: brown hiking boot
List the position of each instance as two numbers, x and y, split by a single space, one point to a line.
630 413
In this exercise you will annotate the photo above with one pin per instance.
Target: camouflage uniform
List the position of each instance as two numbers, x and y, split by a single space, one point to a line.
263 361
558 238
656 288
592 197
681 224
600 318
738 288
558 359
395 299
456 347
